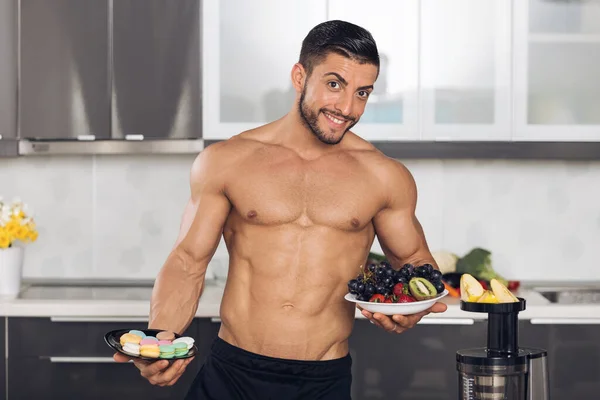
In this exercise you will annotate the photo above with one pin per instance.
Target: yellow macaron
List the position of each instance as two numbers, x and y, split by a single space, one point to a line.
150 350
130 338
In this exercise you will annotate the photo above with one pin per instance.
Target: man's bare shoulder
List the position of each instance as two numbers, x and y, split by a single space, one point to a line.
387 172
218 158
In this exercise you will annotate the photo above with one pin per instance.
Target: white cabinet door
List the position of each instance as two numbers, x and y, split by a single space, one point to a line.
392 111
557 70
249 48
465 65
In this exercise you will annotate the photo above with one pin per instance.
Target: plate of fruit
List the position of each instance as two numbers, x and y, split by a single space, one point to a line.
409 290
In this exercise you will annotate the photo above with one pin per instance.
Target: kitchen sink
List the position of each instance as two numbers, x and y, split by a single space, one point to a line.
571 295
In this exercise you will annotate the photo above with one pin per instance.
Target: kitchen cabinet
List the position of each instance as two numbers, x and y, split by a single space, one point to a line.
573 354
465 70
156 69
2 359
69 359
392 110
8 69
557 58
249 49
418 364
64 69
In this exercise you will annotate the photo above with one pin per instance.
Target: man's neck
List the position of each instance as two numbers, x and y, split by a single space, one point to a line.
295 135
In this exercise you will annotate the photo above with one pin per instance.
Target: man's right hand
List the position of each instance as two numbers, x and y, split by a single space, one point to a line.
160 372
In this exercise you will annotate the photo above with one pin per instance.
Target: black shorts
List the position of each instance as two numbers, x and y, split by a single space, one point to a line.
231 373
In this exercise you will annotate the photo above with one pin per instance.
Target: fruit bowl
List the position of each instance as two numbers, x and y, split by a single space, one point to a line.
396 308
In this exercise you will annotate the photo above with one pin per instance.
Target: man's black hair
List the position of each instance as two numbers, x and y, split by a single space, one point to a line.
340 37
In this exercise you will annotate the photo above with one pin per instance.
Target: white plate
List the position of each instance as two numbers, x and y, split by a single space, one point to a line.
395 308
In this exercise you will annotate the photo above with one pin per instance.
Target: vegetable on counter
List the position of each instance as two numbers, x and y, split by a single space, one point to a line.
445 260
478 262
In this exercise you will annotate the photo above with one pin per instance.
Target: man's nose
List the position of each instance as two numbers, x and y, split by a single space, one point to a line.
344 104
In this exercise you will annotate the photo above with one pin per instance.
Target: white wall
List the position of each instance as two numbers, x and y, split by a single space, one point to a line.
118 216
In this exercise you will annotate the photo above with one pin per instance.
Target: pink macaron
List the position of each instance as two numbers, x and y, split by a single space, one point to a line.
162 342
149 340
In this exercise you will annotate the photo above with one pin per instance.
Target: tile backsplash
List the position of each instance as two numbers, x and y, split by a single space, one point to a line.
118 216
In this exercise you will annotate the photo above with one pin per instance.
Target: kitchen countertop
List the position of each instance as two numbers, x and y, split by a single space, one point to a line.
132 300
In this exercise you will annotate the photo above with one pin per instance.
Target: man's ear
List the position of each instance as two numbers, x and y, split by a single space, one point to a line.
298 77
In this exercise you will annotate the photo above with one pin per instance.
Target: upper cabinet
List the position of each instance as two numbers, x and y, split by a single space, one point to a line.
64 68
392 109
465 63
8 69
557 64
249 49
156 69
103 69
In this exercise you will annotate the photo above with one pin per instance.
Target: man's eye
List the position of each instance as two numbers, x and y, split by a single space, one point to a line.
334 85
363 93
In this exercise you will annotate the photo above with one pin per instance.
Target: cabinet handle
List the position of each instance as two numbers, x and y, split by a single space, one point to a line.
83 360
565 321
99 319
215 319
447 321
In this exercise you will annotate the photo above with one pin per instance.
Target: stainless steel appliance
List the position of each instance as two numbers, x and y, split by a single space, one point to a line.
8 78
502 370
105 76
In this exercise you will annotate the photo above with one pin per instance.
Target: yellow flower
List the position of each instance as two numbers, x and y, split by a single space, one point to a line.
4 240
12 227
33 236
22 233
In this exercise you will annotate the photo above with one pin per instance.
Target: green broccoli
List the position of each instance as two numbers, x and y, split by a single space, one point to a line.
478 262
376 257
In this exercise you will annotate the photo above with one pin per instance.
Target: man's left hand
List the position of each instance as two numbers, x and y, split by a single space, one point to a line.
400 323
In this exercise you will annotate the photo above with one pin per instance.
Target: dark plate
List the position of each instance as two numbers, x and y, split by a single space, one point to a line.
112 338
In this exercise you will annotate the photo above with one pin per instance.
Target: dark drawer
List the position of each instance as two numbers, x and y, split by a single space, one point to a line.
68 336
44 378
2 360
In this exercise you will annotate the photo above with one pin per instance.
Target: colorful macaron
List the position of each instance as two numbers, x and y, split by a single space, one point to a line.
185 339
163 342
132 348
139 333
167 351
181 349
165 335
129 338
150 350
149 340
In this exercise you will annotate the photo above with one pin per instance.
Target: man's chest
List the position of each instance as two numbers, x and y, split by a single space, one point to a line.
338 195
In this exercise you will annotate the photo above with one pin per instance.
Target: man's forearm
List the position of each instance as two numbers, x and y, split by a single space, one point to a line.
176 292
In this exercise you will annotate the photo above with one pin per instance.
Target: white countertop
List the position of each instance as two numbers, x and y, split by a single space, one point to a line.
117 303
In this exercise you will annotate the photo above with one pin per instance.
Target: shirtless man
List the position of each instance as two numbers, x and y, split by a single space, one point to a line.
298 202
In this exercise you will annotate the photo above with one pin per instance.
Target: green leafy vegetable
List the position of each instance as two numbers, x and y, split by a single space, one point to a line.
478 262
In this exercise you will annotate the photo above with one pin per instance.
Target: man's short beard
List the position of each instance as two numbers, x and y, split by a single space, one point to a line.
310 120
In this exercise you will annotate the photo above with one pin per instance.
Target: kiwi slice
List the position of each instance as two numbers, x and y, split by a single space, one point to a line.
422 289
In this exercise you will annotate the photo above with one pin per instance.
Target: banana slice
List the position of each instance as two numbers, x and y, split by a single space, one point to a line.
502 293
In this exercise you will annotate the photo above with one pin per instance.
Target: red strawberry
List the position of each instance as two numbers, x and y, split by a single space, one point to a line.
398 289
404 298
377 298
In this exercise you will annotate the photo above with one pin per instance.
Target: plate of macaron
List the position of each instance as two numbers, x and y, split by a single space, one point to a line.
151 344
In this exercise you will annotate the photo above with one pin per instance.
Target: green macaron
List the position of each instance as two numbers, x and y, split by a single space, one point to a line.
167 351
180 349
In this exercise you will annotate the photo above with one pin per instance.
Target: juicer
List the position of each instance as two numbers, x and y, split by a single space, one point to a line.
502 370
